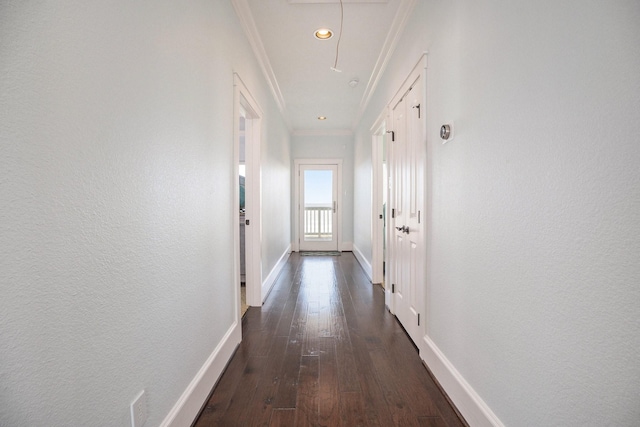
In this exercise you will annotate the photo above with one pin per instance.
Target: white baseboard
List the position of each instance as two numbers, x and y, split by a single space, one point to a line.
273 274
346 247
186 409
474 410
388 302
366 265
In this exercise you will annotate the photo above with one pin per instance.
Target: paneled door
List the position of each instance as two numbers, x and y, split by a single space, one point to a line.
318 201
407 158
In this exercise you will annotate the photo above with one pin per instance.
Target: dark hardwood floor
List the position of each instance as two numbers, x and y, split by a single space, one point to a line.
324 351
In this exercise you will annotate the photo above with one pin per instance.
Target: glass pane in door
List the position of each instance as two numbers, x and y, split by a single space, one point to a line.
318 205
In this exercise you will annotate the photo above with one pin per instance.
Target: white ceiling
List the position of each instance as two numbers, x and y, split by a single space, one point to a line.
298 66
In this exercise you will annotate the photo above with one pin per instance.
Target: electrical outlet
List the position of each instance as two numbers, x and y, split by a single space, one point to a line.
139 412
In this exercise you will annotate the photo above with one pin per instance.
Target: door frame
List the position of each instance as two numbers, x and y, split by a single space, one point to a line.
295 245
419 72
244 101
318 245
378 135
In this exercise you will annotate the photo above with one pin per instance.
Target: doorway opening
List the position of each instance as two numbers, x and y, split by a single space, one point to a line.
247 211
242 220
380 183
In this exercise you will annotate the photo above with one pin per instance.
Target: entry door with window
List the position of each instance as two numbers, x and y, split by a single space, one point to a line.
318 201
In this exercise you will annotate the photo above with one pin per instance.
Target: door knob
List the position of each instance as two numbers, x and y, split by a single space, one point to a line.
404 229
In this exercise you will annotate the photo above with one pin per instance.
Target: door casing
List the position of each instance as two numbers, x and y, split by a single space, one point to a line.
378 214
297 202
245 104
407 267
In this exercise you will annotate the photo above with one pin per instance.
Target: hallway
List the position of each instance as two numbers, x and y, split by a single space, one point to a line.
323 350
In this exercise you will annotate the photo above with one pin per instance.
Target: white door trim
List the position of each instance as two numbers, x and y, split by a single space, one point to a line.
416 332
243 100
320 219
378 134
295 245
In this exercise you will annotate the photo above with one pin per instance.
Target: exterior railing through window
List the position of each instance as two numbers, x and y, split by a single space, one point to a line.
318 222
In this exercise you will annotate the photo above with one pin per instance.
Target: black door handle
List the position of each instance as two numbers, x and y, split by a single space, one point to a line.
404 229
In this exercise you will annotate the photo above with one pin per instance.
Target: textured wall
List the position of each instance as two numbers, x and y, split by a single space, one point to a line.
276 199
116 133
534 237
362 175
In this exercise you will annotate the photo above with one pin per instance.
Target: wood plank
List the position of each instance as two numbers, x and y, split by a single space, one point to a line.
447 411
324 318
417 386
431 422
219 400
259 409
247 384
282 418
307 404
376 408
280 291
347 367
310 341
328 405
352 410
257 343
287 393
286 318
394 391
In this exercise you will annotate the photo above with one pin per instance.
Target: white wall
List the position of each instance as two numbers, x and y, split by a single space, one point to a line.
534 234
362 177
116 132
331 147
276 194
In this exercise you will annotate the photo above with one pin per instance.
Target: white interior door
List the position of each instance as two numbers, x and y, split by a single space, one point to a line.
407 202
318 201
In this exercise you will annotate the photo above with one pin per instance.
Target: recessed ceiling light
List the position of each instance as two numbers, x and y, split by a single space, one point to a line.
323 34
322 118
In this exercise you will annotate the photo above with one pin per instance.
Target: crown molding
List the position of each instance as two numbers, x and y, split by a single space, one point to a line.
322 132
251 31
337 1
395 32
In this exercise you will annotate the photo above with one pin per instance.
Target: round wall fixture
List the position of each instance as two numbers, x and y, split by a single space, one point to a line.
323 34
446 132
